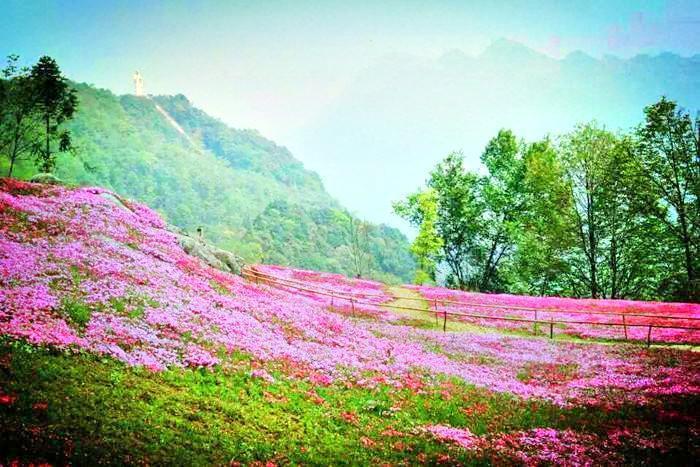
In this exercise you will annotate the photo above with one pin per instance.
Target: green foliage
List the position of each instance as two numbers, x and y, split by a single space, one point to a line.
328 239
55 102
33 106
597 215
427 246
77 313
668 156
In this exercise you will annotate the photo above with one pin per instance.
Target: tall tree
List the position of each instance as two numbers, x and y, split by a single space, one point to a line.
503 200
669 157
422 208
544 235
459 222
586 152
18 120
56 103
358 245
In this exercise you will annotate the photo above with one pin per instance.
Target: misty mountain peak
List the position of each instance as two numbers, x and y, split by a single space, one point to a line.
507 49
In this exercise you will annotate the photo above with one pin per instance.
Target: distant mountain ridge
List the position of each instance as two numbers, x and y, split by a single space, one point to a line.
408 108
219 178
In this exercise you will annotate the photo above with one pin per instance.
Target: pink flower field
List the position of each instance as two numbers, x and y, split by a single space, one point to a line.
81 271
571 309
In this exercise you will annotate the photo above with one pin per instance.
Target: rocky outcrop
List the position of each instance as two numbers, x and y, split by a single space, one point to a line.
213 256
47 179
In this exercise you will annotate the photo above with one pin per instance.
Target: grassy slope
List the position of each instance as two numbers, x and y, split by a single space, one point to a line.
99 411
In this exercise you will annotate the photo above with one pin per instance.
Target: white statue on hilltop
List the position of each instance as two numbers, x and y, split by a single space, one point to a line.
138 83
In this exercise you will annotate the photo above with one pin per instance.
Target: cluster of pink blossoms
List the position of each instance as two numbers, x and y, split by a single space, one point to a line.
571 309
334 290
65 252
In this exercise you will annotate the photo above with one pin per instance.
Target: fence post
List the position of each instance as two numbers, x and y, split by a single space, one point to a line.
624 324
649 337
444 322
551 327
436 313
535 327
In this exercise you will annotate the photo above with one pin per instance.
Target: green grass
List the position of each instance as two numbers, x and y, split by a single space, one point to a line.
101 412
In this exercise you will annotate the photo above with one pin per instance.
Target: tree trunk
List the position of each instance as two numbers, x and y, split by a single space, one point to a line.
686 244
48 144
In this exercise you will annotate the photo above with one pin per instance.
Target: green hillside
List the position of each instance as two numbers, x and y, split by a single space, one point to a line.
228 181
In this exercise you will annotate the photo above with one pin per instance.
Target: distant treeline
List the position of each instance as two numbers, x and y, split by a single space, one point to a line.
589 214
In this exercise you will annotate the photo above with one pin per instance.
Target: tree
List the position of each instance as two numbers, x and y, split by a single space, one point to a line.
586 152
503 199
427 245
358 235
56 102
668 153
544 235
633 249
18 120
459 220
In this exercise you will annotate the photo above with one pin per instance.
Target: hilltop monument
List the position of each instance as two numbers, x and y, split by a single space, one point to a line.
138 83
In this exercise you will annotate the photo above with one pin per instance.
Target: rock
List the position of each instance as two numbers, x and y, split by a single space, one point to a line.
215 257
46 178
116 200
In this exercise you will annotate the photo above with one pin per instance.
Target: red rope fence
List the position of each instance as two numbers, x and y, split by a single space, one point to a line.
252 274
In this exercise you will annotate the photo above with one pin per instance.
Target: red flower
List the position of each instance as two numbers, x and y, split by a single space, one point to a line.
350 417
366 442
7 399
40 406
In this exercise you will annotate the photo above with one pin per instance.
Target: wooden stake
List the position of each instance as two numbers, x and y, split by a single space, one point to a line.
535 326
649 337
436 312
551 328
624 324
444 322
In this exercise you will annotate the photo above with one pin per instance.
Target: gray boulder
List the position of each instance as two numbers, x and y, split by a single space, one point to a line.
46 178
213 256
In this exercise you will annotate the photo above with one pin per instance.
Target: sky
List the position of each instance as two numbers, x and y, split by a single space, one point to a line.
278 66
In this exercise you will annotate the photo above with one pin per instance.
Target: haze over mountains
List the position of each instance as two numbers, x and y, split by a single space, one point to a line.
381 136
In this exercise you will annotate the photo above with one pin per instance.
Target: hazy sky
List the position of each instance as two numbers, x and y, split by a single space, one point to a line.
276 66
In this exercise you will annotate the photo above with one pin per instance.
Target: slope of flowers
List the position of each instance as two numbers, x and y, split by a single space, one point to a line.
369 294
571 309
80 270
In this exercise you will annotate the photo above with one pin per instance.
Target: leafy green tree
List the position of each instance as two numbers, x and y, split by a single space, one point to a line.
56 102
18 120
586 152
544 235
427 245
668 155
503 199
459 224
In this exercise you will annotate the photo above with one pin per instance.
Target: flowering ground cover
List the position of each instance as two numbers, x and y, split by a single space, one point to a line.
117 347
369 294
571 309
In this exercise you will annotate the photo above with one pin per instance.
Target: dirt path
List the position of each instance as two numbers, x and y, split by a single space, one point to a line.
411 298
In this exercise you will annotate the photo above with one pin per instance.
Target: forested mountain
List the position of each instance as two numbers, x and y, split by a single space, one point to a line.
229 182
